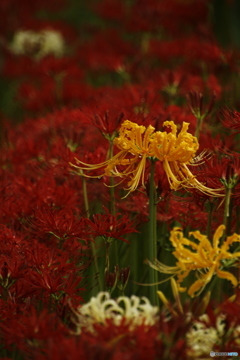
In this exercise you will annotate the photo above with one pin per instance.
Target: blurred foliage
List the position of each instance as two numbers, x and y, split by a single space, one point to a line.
226 22
223 14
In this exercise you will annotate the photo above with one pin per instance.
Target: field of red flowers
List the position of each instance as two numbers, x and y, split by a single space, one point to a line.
119 181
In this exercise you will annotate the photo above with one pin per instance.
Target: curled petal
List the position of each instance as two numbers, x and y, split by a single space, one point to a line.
217 235
228 276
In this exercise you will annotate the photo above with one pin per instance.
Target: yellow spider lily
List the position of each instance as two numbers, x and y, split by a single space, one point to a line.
202 256
138 143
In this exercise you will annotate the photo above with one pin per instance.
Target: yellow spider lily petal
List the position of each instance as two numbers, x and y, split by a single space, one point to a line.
163 298
135 139
176 295
217 236
228 276
203 304
230 240
197 287
167 304
137 175
173 147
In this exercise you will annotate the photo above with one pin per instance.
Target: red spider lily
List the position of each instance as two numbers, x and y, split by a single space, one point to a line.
231 308
136 204
55 283
107 125
123 278
123 342
172 112
107 342
52 273
118 278
195 103
193 49
49 83
49 193
30 330
111 279
111 10
142 101
218 144
173 15
11 241
171 81
47 96
230 119
180 208
21 294
94 157
106 51
18 193
111 226
231 172
39 256
11 269
15 196
225 168
35 99
139 204
60 223
25 14
51 125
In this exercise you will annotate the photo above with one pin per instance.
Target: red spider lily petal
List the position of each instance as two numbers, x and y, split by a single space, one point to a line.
105 124
230 119
224 167
111 226
55 283
180 208
31 329
61 223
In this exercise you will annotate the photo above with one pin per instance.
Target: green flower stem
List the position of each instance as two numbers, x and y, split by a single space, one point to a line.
215 287
199 126
209 222
237 219
152 248
226 216
92 244
114 245
107 262
85 196
112 188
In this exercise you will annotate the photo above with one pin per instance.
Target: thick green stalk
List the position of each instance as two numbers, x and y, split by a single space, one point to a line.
92 244
199 126
114 245
237 219
112 188
152 248
209 222
226 216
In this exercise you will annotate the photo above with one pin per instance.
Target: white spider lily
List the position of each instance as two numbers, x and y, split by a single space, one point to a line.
135 311
38 44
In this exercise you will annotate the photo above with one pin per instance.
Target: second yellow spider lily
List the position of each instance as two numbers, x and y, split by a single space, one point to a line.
206 258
